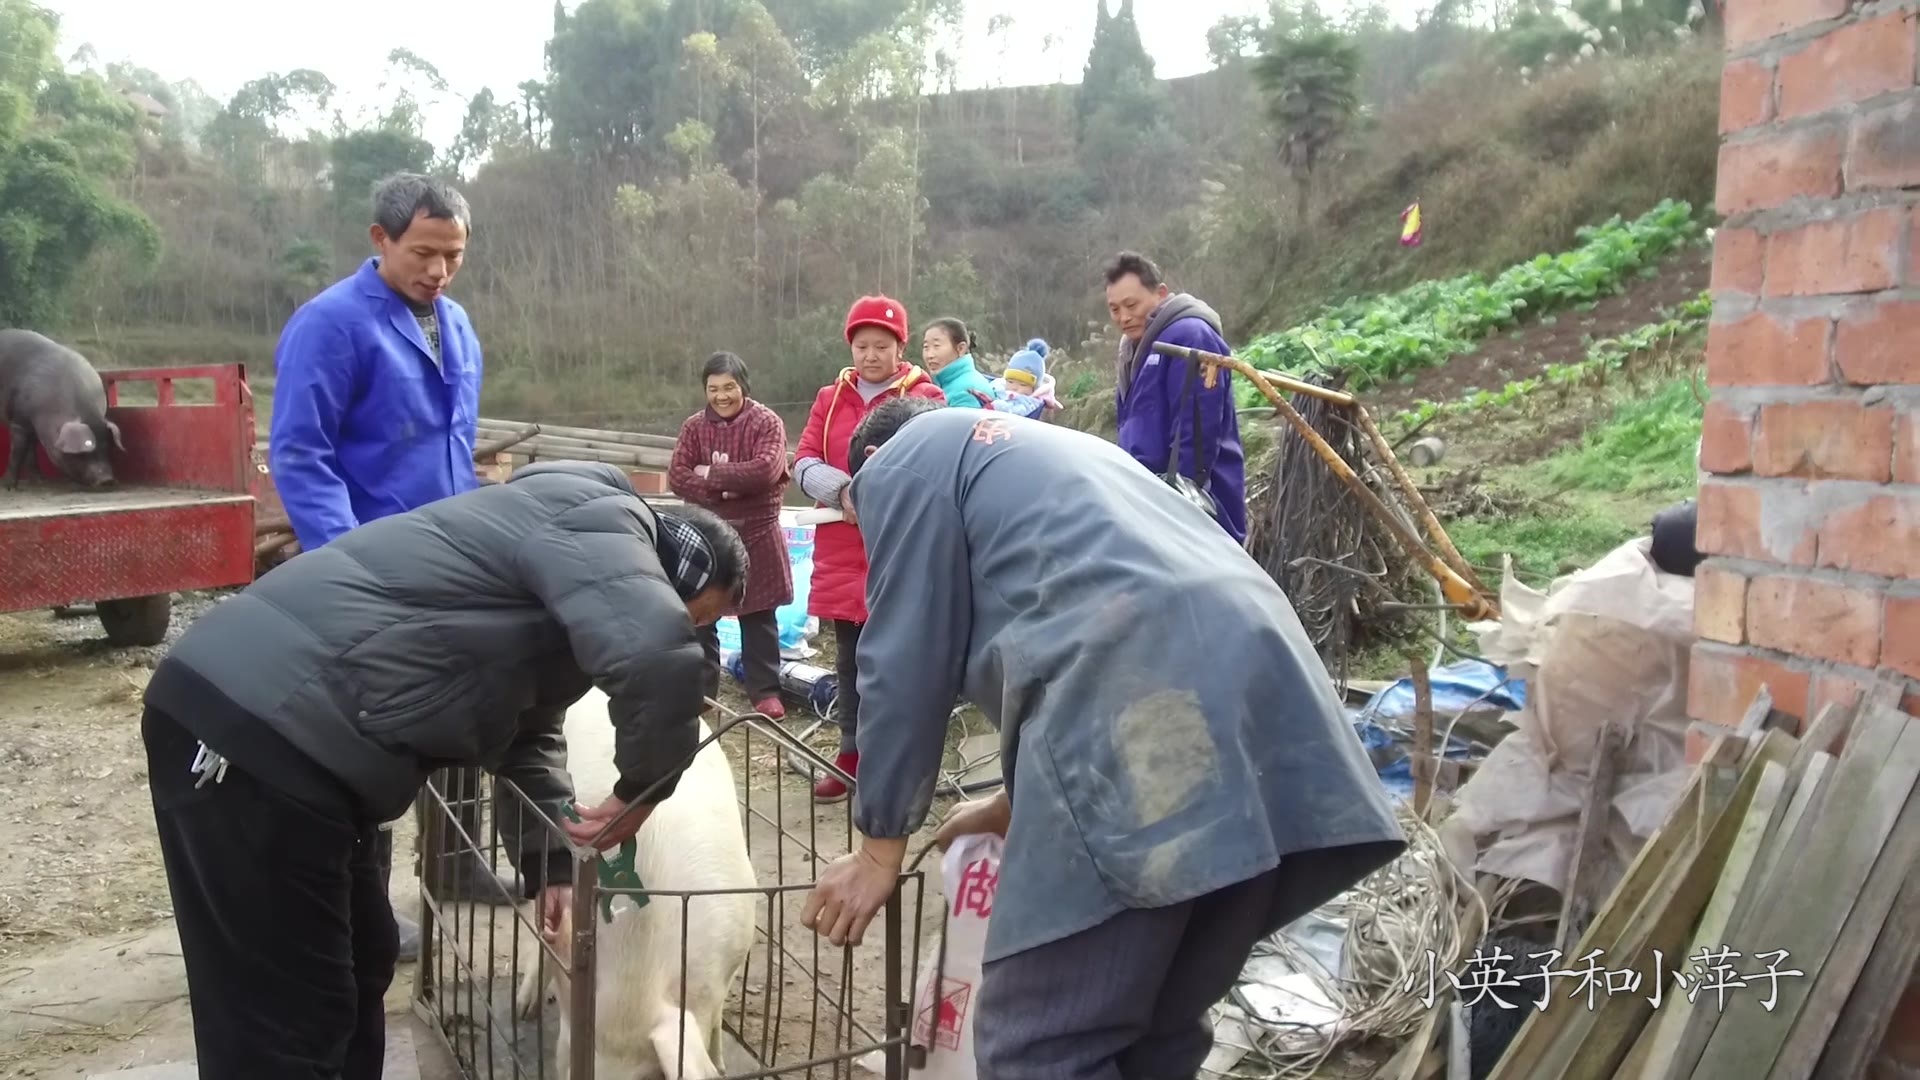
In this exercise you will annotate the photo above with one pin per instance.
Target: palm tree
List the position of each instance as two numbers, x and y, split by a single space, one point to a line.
1309 81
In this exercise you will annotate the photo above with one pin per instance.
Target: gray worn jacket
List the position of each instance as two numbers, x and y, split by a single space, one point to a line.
457 634
1166 728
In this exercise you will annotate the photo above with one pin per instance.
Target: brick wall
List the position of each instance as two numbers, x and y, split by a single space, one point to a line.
1811 507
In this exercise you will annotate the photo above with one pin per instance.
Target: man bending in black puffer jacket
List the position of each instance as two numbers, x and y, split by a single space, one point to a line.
294 718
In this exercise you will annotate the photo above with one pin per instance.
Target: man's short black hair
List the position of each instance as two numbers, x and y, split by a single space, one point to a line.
1132 262
883 423
399 198
729 551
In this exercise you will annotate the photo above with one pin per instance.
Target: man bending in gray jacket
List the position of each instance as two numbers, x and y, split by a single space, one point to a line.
294 718
1180 778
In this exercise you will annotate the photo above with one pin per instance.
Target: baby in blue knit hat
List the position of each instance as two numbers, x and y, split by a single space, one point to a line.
1026 389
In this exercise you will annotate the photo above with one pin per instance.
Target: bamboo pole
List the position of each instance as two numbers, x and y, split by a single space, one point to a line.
503 442
1421 510
548 446
629 457
267 545
1424 767
1474 603
601 435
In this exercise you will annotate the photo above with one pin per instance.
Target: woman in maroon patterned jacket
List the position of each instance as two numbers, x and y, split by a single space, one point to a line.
732 459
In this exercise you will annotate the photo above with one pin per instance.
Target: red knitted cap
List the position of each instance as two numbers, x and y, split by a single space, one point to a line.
881 311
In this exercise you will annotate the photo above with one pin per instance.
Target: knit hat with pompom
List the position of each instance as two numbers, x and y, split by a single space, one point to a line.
1028 366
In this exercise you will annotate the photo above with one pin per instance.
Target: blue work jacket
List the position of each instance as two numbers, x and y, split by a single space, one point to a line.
365 424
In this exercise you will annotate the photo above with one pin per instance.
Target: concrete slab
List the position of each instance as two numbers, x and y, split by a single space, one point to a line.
175 1071
402 1062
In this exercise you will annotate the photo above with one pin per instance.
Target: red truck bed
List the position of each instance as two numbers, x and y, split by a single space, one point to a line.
179 517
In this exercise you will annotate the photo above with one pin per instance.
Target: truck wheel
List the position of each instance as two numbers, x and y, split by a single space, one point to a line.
137 620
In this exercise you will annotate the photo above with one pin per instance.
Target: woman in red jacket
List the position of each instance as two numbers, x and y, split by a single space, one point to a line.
877 336
731 458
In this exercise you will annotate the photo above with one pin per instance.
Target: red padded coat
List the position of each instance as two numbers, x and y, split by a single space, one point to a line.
839 586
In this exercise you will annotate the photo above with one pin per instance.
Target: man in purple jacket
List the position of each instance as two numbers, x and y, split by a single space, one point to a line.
1162 402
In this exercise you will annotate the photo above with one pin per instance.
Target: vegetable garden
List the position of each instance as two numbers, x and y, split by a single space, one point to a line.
1376 340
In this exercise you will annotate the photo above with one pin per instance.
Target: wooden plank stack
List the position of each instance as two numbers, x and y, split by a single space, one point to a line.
1809 845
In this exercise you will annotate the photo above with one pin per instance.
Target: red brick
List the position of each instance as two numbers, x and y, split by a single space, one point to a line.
1851 64
1884 152
1876 342
1766 172
1739 261
1879 535
1906 448
1827 621
1833 688
1731 519
1763 349
1903 635
1722 680
1853 254
1720 604
1842 440
1749 21
1746 95
1728 521
1903 1032
1726 439
1730 525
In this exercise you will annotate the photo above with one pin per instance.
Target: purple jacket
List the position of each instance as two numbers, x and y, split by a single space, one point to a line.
1151 409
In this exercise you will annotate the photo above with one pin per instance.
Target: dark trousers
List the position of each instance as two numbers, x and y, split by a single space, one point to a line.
284 923
759 654
846 703
1128 999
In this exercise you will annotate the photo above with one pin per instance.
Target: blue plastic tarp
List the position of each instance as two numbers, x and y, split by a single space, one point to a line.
795 624
1456 688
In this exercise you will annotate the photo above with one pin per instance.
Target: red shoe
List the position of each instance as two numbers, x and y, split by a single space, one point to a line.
830 788
770 707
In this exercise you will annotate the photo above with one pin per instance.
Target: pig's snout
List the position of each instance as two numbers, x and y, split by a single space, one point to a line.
96 473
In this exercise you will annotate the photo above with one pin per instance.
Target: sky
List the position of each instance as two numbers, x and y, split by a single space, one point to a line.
223 43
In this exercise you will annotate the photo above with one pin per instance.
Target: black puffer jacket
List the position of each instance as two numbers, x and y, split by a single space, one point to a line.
454 634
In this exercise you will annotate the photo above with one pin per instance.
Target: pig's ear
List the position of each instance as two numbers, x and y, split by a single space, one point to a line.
74 439
115 429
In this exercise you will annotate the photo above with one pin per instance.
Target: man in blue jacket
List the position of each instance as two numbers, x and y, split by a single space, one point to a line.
375 401
1161 399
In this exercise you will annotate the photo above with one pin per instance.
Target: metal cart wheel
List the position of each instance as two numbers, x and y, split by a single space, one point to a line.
136 620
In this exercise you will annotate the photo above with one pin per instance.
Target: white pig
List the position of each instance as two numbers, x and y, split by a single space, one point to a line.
693 840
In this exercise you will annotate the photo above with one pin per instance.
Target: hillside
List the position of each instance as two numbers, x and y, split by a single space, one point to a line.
627 228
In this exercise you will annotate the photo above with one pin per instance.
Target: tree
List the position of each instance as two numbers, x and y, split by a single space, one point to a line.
361 159
415 84
1234 38
825 31
246 133
1119 71
63 140
1541 32
488 127
601 93
1309 81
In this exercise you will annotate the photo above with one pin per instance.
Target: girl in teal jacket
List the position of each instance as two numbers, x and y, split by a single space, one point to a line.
946 352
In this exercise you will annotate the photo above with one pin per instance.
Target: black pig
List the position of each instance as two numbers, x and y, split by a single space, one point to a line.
50 395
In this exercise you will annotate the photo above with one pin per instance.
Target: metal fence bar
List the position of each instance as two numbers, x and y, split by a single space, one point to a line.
835 1031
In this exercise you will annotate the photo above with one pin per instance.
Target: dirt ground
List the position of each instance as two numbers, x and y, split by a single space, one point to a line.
90 975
